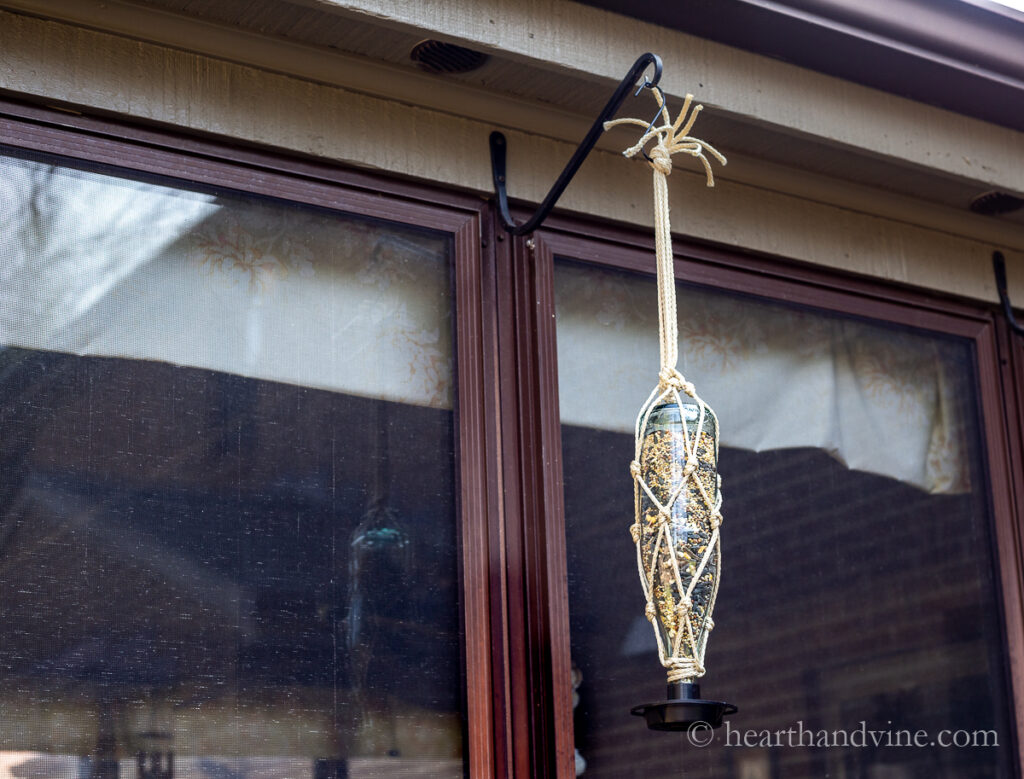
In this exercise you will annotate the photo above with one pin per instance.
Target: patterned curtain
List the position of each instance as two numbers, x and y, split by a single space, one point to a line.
94 265
877 398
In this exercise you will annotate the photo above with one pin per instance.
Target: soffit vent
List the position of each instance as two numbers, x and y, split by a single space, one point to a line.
995 202
440 57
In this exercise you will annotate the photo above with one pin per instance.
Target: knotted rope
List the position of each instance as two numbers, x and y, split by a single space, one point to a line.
672 138
684 659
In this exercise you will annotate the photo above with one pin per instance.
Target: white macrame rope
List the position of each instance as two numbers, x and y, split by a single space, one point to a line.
672 138
685 658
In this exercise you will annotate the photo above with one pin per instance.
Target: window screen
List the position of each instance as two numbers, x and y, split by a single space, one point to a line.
857 601
227 510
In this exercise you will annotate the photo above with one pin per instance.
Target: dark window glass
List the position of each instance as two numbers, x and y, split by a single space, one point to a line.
228 538
857 595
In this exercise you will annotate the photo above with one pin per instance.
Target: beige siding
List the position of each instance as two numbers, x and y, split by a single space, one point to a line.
916 244
603 45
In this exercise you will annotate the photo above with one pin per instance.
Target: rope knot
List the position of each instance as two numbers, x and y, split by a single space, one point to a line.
634 531
716 520
649 612
661 159
634 469
670 377
691 465
672 137
682 668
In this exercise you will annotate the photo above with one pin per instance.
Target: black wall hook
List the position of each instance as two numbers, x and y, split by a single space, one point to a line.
999 266
498 146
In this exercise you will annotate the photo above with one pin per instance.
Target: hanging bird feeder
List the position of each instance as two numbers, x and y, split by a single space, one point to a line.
677 489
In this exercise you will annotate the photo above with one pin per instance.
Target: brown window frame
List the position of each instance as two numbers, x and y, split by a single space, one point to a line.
512 528
209 162
999 364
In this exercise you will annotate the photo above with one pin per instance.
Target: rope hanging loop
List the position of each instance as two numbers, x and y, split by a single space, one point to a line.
677 496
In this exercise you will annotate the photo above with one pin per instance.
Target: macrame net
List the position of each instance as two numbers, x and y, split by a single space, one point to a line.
677 489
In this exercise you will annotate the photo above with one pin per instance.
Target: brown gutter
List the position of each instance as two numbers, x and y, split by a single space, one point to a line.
967 57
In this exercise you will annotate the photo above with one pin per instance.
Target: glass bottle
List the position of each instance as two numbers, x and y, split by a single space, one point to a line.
673 552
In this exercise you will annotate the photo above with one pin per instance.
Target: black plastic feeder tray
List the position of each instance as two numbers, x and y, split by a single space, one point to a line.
684 709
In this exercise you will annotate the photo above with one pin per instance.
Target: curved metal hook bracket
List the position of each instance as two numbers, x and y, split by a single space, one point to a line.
498 146
999 266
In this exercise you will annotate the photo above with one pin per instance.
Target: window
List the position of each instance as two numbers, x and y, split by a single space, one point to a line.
838 660
857 579
232 537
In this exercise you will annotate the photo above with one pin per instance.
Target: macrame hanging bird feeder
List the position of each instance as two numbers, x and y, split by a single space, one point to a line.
677 489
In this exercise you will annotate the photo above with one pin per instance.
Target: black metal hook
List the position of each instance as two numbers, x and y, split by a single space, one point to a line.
650 124
999 266
498 146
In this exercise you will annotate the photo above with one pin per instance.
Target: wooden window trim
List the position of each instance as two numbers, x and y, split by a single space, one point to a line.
1007 435
540 724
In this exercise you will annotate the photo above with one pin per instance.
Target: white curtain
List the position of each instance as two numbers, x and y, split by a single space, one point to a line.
880 399
95 265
